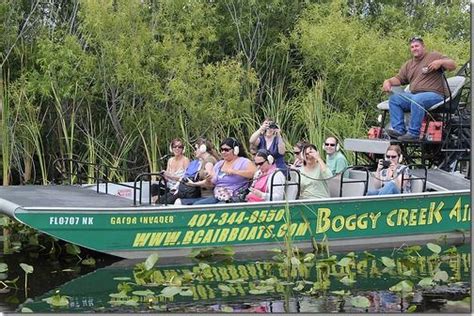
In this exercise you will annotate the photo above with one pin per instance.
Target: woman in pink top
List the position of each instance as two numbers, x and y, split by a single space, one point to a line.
261 186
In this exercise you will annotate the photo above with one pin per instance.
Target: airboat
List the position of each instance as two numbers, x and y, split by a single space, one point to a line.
119 218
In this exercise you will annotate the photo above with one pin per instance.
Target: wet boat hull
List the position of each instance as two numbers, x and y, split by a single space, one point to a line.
116 227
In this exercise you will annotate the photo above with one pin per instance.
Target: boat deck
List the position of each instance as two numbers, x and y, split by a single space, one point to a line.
444 181
28 196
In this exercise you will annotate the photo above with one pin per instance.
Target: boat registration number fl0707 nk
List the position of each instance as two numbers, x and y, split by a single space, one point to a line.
71 220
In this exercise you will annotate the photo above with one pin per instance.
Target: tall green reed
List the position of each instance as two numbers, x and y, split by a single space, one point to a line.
5 126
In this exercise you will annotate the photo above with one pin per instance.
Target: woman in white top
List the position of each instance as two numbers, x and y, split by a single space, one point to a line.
176 164
174 169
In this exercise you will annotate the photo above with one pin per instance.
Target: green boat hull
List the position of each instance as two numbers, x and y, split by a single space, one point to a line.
135 232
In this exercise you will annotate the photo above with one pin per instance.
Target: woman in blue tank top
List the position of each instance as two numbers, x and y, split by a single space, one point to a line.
268 137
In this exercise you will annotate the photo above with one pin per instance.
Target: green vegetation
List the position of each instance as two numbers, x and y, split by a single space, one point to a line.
114 81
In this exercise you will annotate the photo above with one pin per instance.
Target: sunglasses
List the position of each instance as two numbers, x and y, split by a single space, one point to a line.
225 149
258 164
390 157
330 145
415 38
296 152
179 146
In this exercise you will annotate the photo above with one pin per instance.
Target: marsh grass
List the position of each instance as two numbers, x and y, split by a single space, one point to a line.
5 126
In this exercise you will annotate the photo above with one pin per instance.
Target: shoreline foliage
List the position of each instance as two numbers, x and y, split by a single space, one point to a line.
113 81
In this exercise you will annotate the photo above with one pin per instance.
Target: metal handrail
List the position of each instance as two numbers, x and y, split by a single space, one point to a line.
286 173
350 180
79 165
161 183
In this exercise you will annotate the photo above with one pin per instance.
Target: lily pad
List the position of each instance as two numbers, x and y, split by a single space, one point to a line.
347 281
299 287
441 276
227 309
411 309
26 310
170 291
144 293
308 257
344 262
388 262
434 248
257 291
426 282
26 267
187 292
119 295
73 249
402 286
360 301
295 261
88 262
130 303
57 300
203 265
3 267
341 293
151 261
235 281
270 281
224 288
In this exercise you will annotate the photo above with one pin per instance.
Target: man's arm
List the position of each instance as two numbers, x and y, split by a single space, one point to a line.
389 83
446 63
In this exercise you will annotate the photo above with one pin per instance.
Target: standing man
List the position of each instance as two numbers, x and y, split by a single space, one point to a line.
424 74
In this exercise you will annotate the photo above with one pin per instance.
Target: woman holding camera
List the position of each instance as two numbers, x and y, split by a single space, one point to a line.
388 176
268 137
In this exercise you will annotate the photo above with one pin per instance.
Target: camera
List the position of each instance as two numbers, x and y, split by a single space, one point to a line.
385 164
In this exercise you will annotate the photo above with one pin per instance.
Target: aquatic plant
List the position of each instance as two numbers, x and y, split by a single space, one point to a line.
57 300
204 253
28 269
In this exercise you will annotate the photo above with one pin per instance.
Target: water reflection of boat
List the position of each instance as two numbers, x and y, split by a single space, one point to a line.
110 223
91 292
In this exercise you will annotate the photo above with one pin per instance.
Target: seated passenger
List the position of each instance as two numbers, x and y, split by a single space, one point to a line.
174 169
388 177
260 188
268 136
232 175
314 175
193 184
297 153
335 160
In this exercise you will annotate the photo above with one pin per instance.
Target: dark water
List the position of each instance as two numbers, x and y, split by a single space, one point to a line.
48 273
236 285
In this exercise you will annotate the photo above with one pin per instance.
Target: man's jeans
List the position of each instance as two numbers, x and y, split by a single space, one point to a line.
416 104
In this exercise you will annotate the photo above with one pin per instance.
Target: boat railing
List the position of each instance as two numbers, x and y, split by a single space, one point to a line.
352 181
416 179
147 176
77 170
292 183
